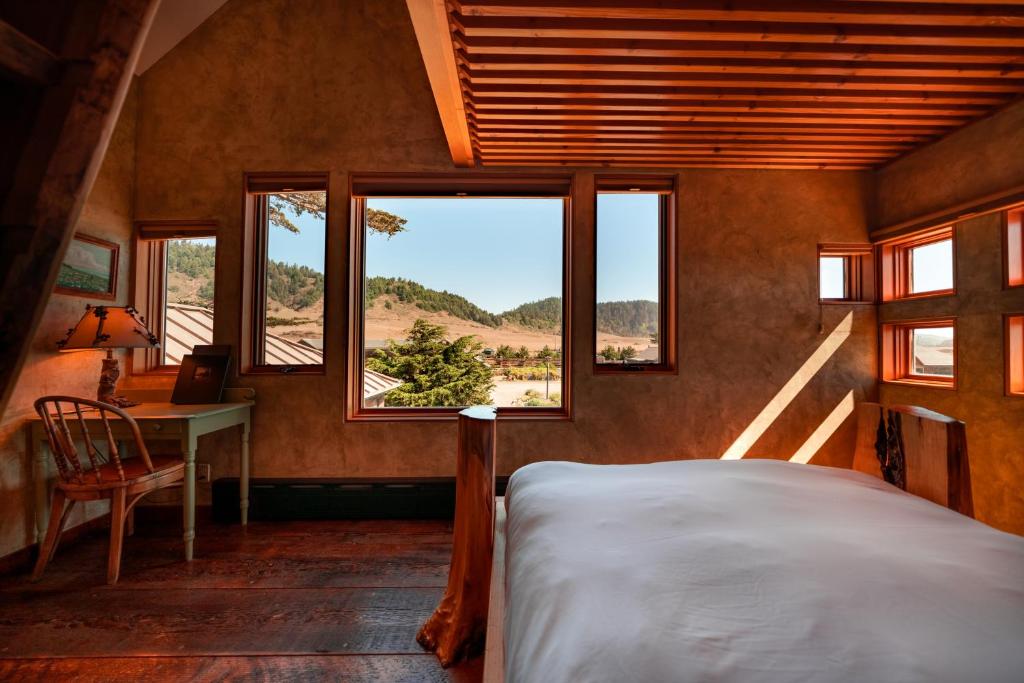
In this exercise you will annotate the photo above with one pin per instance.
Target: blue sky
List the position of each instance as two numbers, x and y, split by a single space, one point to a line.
498 253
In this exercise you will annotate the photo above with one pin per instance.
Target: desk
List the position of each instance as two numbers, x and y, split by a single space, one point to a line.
158 422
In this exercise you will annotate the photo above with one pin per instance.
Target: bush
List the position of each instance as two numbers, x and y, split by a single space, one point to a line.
529 373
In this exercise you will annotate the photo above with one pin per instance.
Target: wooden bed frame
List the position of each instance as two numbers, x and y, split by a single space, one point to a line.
917 450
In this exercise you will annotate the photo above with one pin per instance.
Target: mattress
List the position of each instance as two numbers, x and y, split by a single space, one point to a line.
751 570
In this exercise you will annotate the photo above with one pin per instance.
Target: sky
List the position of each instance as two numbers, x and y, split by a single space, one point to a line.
498 253
627 247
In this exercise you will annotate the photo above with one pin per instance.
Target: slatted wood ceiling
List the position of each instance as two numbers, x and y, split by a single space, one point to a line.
831 84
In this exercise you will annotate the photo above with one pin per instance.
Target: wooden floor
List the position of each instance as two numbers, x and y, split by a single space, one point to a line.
333 601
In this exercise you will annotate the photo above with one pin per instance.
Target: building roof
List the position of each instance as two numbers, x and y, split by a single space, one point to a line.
188 326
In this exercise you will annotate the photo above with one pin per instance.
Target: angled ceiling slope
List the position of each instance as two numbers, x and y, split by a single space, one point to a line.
175 20
837 84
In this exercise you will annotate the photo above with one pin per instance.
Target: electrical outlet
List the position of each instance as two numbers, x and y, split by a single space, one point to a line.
204 472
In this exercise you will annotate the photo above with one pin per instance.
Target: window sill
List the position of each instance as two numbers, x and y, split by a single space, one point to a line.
562 414
928 383
923 295
284 370
636 369
845 302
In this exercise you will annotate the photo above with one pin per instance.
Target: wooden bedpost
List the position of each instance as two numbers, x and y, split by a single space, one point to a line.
457 627
917 450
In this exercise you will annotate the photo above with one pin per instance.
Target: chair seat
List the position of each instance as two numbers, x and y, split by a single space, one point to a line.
136 476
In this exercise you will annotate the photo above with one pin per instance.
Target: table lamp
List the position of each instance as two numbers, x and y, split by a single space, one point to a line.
109 327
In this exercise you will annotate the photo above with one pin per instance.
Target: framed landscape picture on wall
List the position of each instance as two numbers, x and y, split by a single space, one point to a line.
89 268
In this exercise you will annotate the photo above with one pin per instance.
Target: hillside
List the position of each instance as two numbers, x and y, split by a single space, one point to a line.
296 300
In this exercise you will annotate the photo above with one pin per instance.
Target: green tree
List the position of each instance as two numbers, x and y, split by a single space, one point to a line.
609 353
522 353
504 352
627 353
315 204
434 371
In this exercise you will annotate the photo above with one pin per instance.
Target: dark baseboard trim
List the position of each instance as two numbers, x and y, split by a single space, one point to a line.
169 516
346 498
22 561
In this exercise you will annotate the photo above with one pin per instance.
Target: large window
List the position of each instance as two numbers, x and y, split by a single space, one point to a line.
459 299
286 229
635 275
1014 344
920 352
920 265
174 289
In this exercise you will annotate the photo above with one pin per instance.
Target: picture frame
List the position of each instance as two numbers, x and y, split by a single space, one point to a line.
201 379
89 268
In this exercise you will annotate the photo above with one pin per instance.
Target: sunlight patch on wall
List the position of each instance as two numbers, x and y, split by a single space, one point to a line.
825 430
790 389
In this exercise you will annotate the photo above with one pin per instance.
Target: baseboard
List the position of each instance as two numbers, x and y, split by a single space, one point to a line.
168 517
22 561
297 499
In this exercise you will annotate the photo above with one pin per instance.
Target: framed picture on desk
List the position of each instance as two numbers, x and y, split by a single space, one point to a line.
202 375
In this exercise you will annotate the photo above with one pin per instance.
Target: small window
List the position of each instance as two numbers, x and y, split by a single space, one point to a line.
1015 355
175 263
920 265
284 287
1014 237
920 352
845 273
635 275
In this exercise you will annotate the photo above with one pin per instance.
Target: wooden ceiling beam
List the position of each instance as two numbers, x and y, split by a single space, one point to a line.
482 104
664 29
813 11
638 46
750 127
494 152
583 143
762 81
482 64
718 164
749 93
684 162
672 136
430 22
528 116
24 58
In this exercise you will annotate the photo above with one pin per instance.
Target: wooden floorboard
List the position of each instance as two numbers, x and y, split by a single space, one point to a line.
280 601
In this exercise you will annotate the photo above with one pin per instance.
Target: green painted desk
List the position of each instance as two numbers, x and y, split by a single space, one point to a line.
159 421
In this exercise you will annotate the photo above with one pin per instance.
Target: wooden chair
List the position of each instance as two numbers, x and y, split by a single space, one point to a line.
124 481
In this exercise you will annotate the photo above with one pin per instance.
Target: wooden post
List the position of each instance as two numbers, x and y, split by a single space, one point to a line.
457 628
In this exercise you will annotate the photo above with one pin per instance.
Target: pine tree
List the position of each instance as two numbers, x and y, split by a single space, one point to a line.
434 371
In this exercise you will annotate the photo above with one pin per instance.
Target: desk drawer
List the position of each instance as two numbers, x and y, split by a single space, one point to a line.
160 428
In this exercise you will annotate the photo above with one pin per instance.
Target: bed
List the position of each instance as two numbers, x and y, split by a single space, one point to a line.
753 570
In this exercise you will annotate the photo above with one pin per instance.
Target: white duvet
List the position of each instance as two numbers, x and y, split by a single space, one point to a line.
754 571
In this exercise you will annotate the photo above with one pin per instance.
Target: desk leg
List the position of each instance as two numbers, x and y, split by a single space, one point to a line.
189 497
243 479
40 456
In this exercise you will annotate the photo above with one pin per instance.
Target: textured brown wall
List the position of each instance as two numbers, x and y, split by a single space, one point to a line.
107 214
355 97
980 159
995 422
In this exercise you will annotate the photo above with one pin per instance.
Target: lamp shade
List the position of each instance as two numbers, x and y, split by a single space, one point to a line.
109 327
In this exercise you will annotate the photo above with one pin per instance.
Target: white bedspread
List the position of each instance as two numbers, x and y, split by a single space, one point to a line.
754 571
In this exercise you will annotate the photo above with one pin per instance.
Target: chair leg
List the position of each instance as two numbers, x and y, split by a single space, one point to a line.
117 518
49 544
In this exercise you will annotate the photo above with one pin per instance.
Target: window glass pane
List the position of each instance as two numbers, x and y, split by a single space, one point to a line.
933 351
832 277
296 247
188 307
931 267
463 302
628 278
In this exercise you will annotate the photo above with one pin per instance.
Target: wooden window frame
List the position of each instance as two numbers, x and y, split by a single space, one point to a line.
1013 350
149 282
1013 247
859 267
895 258
896 347
367 185
668 271
257 187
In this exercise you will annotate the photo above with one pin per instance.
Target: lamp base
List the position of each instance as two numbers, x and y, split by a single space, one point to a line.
108 383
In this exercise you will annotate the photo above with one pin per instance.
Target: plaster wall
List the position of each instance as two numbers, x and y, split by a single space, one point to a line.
977 160
356 98
107 214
